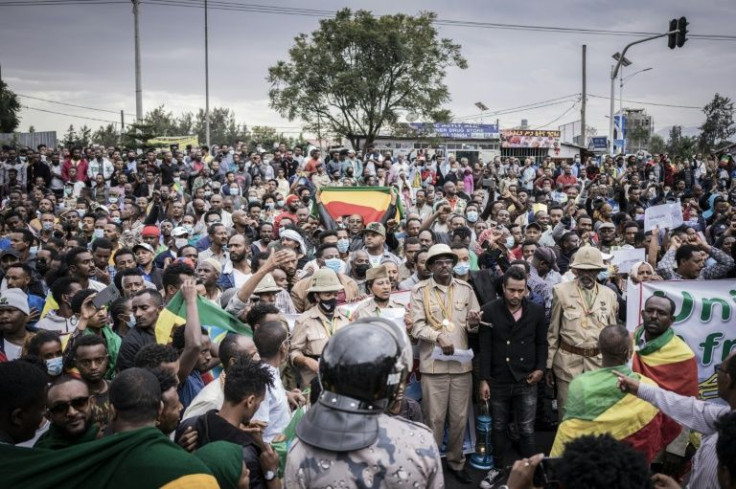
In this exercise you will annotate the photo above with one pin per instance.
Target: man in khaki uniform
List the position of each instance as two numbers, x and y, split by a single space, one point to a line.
580 310
317 325
300 291
444 309
378 285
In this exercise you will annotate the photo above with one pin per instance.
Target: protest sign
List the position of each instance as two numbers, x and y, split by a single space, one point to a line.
666 216
704 318
625 258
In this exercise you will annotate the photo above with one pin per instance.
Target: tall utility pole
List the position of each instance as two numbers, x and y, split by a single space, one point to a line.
583 141
138 87
676 34
206 79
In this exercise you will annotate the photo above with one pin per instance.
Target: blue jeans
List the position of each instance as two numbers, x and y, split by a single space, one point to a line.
513 401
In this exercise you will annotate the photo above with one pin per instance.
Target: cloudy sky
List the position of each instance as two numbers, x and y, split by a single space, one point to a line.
83 55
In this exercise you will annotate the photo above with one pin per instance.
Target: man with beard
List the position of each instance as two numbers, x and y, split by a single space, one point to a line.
420 271
237 268
265 236
580 310
69 404
607 234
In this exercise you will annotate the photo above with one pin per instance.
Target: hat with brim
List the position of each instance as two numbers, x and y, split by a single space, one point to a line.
179 231
376 272
588 258
439 251
325 280
267 285
15 298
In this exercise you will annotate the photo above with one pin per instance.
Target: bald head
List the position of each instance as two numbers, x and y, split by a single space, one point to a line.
614 343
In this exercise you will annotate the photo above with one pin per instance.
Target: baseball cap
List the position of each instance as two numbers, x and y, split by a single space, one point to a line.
151 231
145 246
375 227
179 231
15 298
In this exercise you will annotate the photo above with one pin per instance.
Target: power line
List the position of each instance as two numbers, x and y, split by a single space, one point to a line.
561 115
268 9
521 108
70 115
651 103
72 105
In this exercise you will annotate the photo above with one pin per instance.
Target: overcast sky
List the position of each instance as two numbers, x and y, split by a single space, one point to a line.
83 55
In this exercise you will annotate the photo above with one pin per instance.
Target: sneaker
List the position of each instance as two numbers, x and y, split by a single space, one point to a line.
492 477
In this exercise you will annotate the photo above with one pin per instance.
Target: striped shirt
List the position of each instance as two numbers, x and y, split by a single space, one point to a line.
698 416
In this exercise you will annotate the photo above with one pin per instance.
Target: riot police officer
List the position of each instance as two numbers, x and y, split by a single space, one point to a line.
346 439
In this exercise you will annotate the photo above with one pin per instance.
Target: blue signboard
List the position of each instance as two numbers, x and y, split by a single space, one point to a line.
456 131
599 143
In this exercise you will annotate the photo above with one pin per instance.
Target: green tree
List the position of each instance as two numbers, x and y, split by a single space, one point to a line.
31 130
185 124
70 137
9 109
85 136
657 144
719 125
356 74
673 143
106 136
680 145
137 134
223 128
163 123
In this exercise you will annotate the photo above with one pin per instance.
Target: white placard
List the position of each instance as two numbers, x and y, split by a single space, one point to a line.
666 216
625 258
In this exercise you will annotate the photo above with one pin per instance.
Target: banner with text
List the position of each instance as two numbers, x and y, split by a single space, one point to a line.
704 318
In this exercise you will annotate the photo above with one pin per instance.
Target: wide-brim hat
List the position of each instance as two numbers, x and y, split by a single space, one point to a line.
267 284
438 251
325 280
588 258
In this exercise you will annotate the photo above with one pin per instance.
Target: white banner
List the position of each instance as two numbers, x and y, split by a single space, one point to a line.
704 318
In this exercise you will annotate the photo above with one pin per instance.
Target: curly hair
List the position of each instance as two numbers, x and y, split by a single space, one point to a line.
602 462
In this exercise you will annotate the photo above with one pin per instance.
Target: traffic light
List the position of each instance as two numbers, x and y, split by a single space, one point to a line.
681 31
672 37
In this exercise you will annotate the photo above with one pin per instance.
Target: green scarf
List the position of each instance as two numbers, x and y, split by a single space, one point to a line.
54 440
113 342
225 460
656 343
143 458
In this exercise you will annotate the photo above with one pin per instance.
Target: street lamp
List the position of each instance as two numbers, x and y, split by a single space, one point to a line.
621 61
622 80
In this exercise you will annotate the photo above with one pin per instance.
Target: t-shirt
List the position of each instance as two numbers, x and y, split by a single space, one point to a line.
190 388
12 351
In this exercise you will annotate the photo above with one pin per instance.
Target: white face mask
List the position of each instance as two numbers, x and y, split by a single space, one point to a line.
180 243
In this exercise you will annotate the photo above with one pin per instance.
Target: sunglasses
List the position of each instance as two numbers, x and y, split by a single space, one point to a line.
77 403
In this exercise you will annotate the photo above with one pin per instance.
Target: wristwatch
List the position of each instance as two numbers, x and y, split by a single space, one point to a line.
271 475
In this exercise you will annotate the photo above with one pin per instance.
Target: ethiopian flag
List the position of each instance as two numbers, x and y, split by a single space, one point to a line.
669 362
595 405
369 202
212 317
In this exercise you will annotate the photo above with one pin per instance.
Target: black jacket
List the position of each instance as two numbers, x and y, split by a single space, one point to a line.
511 350
210 427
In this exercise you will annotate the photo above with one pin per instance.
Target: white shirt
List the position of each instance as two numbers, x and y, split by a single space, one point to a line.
12 351
209 398
275 407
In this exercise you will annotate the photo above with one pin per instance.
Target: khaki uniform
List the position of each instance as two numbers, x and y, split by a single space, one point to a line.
299 292
311 332
572 324
369 309
403 455
446 386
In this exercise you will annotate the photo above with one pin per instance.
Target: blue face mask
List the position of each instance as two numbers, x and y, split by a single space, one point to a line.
510 242
603 275
98 233
472 216
343 245
54 366
461 268
334 264
130 323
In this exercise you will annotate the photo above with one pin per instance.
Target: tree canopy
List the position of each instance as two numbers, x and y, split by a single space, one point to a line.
9 109
718 126
358 73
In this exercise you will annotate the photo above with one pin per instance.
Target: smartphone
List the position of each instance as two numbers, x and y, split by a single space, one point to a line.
106 296
546 473
487 182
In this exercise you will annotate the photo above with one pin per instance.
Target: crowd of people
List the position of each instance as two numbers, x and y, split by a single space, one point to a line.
510 298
